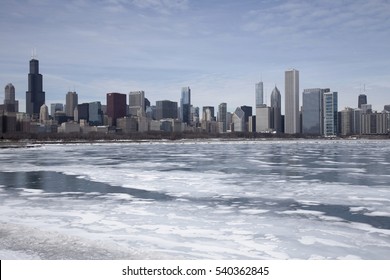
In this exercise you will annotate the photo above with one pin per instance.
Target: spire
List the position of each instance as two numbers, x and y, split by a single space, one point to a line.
34 53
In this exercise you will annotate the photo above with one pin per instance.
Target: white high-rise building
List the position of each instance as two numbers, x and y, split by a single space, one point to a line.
43 113
330 113
292 118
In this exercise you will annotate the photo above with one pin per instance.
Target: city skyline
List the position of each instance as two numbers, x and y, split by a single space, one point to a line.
147 45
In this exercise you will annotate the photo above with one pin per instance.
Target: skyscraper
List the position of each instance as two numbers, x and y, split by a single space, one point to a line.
330 113
259 92
95 113
276 107
312 111
166 109
362 99
35 96
185 105
292 102
116 106
238 120
43 113
54 107
222 110
71 103
10 104
137 103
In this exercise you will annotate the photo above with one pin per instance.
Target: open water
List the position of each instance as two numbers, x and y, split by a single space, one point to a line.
290 199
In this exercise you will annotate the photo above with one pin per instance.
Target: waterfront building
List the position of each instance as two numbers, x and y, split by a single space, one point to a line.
375 123
81 112
330 103
248 112
95 113
137 103
259 94
347 121
43 114
69 127
195 118
252 124
366 108
166 109
312 111
263 119
127 124
10 104
116 106
362 99
292 119
238 120
222 110
276 107
208 113
35 96
185 105
356 121
56 107
71 103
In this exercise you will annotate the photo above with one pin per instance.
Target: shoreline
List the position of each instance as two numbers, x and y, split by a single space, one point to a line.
31 143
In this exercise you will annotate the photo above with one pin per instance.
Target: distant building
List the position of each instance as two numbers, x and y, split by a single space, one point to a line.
127 124
375 123
55 107
95 113
208 113
81 112
362 99
166 109
69 127
312 111
276 107
386 108
116 106
259 94
356 121
43 114
347 121
292 102
263 119
252 124
35 96
330 103
248 112
71 103
366 108
137 103
10 104
185 105
238 120
222 110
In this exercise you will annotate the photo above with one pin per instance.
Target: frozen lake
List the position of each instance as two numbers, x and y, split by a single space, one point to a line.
303 199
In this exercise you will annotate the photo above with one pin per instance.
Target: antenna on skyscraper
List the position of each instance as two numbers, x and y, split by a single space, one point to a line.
33 53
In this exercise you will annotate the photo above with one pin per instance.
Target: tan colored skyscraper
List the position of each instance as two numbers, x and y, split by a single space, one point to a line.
71 103
291 82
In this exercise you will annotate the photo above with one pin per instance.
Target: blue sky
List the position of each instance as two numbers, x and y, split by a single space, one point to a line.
218 48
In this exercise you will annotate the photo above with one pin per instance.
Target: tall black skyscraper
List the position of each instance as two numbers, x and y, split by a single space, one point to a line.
35 96
362 100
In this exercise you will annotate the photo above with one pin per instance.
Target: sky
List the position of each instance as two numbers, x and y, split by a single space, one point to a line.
220 49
